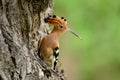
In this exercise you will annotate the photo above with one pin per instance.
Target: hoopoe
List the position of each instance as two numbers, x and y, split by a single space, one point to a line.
48 46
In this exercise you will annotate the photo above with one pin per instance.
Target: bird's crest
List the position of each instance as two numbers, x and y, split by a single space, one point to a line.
60 24
55 20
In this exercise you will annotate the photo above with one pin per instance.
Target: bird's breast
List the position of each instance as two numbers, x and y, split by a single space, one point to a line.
47 47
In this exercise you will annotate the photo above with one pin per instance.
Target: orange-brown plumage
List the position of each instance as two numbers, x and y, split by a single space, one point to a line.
50 43
47 46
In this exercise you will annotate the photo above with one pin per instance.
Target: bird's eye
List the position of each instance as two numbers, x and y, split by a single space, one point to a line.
61 26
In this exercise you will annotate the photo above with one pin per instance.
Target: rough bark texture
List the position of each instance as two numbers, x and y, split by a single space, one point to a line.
21 25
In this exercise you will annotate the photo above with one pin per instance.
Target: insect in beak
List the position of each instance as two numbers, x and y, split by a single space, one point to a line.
70 30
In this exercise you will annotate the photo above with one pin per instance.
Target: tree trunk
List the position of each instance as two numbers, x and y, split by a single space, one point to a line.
21 26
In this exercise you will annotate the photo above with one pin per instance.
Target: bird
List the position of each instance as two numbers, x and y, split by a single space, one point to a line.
48 46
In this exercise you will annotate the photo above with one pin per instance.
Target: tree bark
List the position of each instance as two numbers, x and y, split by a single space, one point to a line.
21 26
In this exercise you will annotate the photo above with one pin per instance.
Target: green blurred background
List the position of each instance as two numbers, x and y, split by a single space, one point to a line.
97 56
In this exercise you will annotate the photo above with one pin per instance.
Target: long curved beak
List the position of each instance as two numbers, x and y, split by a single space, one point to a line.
70 30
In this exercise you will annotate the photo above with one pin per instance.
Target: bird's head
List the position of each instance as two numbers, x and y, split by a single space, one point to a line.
60 24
